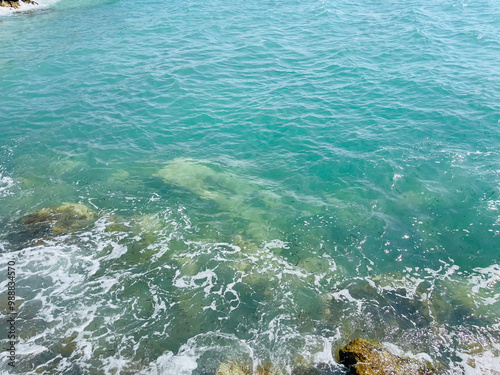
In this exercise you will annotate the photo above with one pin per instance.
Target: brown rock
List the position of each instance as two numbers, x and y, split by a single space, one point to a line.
9 3
15 3
246 368
364 357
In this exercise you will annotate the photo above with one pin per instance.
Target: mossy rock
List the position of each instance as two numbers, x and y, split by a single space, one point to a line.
63 219
246 368
68 345
120 175
314 265
116 227
235 369
44 225
364 357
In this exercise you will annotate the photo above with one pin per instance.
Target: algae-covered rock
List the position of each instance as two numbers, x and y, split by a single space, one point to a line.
364 357
120 175
41 226
246 368
67 346
235 369
63 219
231 192
315 265
268 368
243 198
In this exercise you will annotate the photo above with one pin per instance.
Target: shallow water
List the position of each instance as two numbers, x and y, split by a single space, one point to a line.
270 180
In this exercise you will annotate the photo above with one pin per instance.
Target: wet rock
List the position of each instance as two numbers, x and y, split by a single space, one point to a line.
68 345
63 219
246 368
364 357
39 227
49 368
234 369
15 3
116 227
36 228
267 368
10 3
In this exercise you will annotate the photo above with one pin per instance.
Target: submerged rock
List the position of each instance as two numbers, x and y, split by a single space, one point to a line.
54 221
62 219
246 368
241 197
68 345
364 357
120 175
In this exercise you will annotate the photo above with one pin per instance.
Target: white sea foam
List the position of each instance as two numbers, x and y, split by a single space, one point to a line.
29 348
186 360
276 244
326 355
483 363
170 364
6 183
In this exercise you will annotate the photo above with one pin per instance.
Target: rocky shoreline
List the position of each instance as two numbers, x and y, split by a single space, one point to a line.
359 357
15 3
364 357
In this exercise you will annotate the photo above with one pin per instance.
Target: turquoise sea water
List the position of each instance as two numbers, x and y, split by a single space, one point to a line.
270 180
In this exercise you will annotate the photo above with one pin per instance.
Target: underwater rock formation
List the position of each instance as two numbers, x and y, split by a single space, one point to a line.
15 3
47 223
364 357
63 219
242 198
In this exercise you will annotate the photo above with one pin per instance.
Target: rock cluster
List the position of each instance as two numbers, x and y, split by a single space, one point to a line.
364 357
51 222
360 356
246 368
15 3
234 369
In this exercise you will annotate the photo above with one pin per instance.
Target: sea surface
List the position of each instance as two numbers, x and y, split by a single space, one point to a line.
264 181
